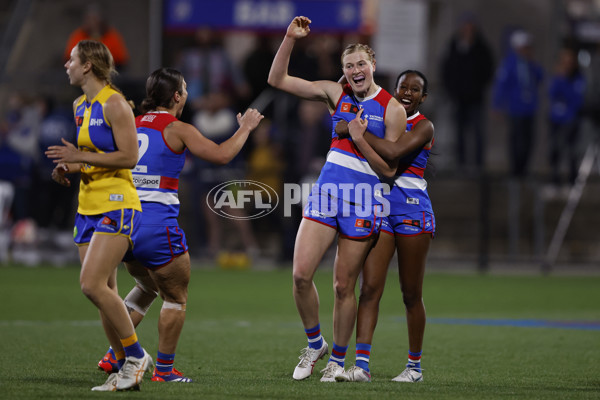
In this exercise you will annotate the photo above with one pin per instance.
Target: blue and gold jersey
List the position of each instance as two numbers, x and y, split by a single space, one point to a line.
101 189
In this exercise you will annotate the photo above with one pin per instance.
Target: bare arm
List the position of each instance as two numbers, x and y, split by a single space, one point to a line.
419 136
395 124
120 116
279 78
357 128
206 149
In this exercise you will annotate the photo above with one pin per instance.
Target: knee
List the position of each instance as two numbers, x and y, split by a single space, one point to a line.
177 297
412 298
89 289
302 280
370 294
343 288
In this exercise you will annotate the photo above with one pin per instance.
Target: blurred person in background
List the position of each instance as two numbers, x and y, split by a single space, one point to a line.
566 95
305 149
516 93
95 26
256 67
20 152
217 121
55 203
209 69
467 71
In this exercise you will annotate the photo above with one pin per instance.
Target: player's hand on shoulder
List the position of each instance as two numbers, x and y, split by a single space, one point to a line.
341 129
250 119
298 28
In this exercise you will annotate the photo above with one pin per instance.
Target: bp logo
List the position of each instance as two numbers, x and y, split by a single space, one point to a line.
242 199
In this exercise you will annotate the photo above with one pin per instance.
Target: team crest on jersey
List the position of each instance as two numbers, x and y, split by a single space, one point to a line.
349 108
79 120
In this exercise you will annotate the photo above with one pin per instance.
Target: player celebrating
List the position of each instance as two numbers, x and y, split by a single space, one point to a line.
337 204
160 261
109 207
409 228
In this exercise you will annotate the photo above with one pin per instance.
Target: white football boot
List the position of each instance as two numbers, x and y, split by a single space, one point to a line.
308 358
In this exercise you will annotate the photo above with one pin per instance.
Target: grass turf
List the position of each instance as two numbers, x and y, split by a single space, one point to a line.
242 338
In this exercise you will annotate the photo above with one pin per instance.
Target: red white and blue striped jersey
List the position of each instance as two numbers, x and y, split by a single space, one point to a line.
345 164
409 193
156 175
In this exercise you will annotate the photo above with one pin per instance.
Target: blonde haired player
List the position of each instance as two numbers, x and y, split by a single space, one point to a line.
109 207
347 199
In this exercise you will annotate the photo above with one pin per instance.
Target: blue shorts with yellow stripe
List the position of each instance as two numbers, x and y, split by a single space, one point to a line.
118 222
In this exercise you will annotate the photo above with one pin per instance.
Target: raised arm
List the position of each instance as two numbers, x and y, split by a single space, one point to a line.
279 78
204 148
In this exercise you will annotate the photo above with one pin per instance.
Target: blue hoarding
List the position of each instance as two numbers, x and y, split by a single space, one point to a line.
326 15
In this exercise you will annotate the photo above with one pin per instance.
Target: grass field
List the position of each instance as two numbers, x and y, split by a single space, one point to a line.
242 338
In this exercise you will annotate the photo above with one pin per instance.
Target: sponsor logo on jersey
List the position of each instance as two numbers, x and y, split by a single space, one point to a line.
374 117
412 222
412 200
78 120
146 181
317 214
108 221
362 223
349 108
96 121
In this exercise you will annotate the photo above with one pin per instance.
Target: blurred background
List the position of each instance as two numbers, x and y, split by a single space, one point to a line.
514 93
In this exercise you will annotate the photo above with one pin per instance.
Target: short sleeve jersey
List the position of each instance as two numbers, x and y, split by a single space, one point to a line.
101 189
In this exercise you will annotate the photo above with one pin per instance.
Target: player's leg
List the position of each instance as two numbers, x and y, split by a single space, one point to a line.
98 267
312 241
101 258
371 289
138 301
412 256
114 358
172 281
349 260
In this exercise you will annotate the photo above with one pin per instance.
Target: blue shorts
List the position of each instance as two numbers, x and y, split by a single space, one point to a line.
122 222
409 224
351 221
157 245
